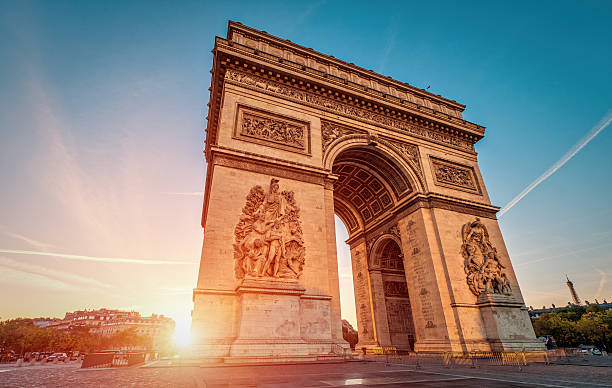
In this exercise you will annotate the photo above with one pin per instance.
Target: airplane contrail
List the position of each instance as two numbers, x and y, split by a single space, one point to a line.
92 258
596 130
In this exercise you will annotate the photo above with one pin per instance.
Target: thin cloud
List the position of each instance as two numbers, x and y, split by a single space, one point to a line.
187 193
596 130
562 244
301 18
602 281
96 259
392 32
563 254
12 278
34 243
52 274
174 291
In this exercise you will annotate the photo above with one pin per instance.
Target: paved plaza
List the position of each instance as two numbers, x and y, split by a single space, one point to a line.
357 374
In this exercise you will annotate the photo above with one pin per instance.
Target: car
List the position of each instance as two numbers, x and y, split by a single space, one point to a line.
57 356
589 349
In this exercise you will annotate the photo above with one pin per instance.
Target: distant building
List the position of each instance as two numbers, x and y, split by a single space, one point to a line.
107 322
44 322
573 293
536 313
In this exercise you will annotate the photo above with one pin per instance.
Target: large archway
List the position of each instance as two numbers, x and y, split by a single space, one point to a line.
369 185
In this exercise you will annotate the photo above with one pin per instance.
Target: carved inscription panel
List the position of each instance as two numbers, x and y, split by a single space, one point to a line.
421 275
396 289
454 175
272 130
362 296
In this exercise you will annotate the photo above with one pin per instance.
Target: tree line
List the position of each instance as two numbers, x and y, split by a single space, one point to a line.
577 325
21 335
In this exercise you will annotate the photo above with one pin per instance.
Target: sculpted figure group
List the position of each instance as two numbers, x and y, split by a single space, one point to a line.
268 237
275 130
484 271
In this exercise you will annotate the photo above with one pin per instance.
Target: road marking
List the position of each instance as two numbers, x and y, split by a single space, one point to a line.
574 383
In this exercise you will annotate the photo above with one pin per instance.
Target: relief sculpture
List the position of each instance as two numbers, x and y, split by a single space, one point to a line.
275 130
485 274
454 175
268 237
330 132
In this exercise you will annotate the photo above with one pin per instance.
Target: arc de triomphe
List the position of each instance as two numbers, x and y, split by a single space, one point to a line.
295 136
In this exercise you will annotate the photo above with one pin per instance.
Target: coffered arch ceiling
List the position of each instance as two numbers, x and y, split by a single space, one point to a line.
368 186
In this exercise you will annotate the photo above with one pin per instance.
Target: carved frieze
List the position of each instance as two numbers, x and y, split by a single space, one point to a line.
411 152
485 274
454 175
332 105
272 130
399 316
395 289
330 132
268 237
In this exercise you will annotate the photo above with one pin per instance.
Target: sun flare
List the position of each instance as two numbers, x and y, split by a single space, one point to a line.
182 332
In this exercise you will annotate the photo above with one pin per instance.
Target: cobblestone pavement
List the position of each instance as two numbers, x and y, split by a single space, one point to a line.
358 374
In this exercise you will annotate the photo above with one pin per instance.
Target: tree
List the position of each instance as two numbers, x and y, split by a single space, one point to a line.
577 325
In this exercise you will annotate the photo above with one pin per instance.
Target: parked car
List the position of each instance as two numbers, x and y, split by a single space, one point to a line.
30 356
74 355
58 357
589 349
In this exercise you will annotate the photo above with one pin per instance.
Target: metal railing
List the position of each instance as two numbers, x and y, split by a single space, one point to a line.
520 359
112 359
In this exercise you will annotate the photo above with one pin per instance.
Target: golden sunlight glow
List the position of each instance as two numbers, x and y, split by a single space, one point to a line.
182 331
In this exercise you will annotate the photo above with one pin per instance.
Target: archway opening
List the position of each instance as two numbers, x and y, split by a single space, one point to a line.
373 290
345 274
387 258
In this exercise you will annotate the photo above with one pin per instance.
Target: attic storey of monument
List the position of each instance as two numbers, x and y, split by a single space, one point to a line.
295 136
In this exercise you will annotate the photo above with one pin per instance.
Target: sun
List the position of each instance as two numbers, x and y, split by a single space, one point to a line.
182 332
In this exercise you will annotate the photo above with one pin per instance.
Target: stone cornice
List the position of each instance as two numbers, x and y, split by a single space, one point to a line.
428 201
272 161
439 126
311 75
446 202
269 44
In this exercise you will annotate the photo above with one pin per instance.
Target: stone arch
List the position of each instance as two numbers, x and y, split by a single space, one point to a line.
373 177
379 245
385 148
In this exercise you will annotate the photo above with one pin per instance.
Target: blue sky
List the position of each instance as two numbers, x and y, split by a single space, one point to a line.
102 111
